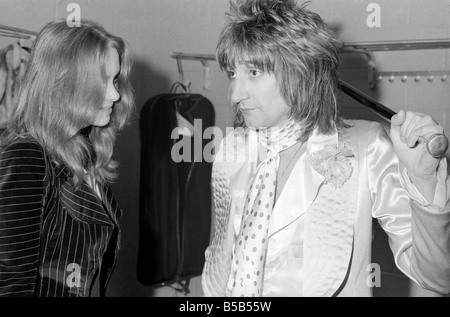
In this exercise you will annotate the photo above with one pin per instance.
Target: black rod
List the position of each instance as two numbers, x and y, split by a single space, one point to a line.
365 100
436 144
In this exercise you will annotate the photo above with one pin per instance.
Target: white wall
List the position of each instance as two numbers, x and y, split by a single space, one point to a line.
400 20
155 29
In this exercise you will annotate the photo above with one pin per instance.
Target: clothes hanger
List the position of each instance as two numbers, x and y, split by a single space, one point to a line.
202 58
20 34
184 123
186 86
179 85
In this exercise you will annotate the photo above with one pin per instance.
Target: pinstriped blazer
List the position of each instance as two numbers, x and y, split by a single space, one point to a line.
55 240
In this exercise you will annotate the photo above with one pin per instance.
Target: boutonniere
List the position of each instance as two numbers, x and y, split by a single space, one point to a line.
333 163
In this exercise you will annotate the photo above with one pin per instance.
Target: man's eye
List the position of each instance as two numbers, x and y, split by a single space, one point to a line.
255 73
231 74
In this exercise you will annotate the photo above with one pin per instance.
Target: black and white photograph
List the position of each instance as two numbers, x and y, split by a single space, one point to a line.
201 149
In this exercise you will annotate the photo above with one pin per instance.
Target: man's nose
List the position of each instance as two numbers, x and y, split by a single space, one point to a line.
238 91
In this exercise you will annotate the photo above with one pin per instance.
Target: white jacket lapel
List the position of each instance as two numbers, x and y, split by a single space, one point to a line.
328 234
297 196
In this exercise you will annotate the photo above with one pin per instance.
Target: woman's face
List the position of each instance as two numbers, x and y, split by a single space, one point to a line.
112 94
257 96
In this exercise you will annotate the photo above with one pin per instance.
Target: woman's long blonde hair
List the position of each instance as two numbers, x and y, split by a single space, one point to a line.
62 93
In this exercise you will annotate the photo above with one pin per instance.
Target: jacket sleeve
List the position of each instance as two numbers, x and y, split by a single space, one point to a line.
419 231
22 178
430 262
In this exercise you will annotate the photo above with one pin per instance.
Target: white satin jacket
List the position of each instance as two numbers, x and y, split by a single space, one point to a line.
320 237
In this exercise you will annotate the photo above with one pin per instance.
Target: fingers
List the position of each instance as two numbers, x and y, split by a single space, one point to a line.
427 131
399 118
415 127
419 129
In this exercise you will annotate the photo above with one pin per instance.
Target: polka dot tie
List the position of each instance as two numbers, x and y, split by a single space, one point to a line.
251 244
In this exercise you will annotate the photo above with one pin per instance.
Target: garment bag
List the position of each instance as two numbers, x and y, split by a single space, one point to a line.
175 196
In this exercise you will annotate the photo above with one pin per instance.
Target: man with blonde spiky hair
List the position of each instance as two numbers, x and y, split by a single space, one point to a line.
295 217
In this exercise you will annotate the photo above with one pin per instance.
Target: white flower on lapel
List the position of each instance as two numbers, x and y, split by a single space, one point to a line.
333 163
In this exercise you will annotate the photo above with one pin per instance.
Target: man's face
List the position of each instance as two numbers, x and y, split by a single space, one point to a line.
257 96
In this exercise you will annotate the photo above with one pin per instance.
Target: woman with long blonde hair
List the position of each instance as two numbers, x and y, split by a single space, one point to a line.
59 232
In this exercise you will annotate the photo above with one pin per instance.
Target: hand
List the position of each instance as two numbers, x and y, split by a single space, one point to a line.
409 134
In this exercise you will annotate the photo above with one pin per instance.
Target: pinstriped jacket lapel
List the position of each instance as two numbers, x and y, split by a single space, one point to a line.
111 204
84 204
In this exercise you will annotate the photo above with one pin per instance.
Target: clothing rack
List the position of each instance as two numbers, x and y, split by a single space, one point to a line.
365 48
8 31
202 58
9 66
374 76
345 87
398 45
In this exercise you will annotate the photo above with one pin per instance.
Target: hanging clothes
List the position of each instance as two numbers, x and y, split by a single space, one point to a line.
175 198
12 67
